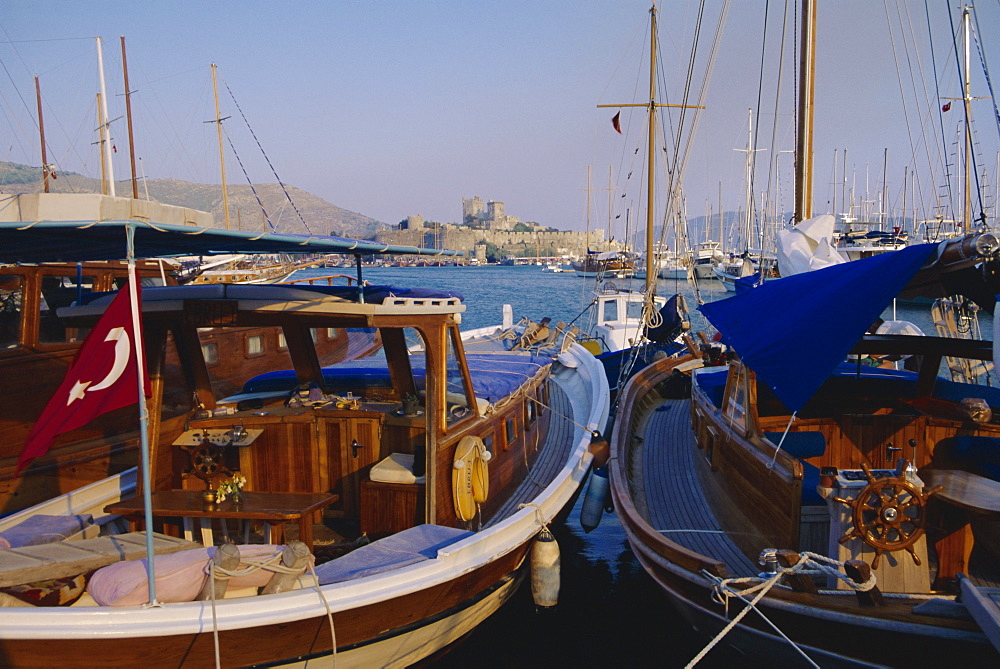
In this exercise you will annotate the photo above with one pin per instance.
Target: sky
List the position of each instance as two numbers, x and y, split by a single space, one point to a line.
391 108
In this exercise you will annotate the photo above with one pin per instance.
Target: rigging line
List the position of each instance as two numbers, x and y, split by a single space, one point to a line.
273 171
773 158
252 187
920 82
937 92
756 128
674 164
989 85
899 81
966 136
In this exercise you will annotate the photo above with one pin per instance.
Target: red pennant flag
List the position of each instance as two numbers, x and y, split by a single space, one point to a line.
101 378
616 122
946 107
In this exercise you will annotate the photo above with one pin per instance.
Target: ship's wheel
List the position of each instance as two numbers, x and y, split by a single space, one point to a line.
889 514
207 461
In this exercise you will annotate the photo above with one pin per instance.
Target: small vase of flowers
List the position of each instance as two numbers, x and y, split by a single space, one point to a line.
232 489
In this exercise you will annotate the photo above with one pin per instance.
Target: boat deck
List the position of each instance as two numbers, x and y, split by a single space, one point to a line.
550 461
675 504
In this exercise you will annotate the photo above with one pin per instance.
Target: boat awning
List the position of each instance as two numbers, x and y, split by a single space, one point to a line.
77 241
794 331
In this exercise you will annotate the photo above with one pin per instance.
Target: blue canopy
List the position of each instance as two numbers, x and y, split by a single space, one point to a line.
76 241
792 332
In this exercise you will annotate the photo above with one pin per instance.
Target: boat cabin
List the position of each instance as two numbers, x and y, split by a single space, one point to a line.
309 428
865 423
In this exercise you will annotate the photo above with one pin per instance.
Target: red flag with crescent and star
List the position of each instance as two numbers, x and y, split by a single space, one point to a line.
101 378
616 122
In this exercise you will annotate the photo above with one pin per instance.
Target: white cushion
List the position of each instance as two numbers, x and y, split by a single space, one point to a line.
397 468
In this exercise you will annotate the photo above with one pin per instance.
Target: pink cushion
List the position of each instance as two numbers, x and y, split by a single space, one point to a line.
179 577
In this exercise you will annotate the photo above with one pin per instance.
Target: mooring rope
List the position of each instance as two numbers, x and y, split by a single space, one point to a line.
808 563
270 563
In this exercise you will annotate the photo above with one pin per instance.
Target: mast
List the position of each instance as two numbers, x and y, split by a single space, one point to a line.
222 154
41 133
610 200
967 212
106 129
651 274
128 116
807 94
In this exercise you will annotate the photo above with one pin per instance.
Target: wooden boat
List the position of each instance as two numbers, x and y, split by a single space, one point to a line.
37 345
784 459
605 265
348 440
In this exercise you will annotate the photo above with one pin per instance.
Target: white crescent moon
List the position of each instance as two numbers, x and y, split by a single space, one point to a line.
122 353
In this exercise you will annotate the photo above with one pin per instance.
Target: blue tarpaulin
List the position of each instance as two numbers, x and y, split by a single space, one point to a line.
792 332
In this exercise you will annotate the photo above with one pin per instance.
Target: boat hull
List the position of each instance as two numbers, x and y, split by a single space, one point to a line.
833 629
397 631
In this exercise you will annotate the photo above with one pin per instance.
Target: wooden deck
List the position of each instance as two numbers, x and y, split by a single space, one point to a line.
674 502
552 458
69 558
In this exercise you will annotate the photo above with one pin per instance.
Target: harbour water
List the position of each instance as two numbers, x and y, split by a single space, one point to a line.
609 612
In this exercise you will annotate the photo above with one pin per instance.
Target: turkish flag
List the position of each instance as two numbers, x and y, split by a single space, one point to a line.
616 122
102 377
946 107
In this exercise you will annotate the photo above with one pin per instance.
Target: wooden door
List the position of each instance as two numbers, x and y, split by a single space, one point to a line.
354 446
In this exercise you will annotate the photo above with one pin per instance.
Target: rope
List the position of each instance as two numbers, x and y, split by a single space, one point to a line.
329 614
271 563
538 514
782 440
284 188
809 563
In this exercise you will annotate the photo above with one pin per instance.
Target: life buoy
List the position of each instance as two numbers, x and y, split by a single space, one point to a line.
470 478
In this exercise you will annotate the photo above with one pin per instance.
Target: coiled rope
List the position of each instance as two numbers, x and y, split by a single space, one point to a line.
808 563
270 563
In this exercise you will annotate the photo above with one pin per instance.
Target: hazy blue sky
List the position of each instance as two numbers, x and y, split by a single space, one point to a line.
393 107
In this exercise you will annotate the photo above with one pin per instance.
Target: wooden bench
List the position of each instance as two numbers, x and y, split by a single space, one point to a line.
29 564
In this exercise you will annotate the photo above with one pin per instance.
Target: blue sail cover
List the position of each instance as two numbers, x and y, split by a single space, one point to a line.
792 332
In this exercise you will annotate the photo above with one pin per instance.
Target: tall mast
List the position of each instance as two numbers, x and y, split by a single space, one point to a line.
967 215
106 132
610 201
41 133
807 94
128 116
586 255
651 273
222 154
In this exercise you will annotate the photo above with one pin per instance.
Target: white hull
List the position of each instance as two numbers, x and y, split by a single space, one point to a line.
409 648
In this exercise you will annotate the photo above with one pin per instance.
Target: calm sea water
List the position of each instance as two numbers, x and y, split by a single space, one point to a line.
610 613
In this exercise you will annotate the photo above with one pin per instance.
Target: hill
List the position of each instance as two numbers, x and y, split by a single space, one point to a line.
317 215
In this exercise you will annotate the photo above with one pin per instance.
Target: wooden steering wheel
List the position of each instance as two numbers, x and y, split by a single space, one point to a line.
207 461
889 514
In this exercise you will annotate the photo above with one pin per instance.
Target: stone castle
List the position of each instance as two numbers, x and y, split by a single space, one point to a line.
486 224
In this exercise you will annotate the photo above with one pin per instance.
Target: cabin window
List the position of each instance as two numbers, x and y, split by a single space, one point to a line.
314 333
11 299
610 311
458 398
510 433
58 292
255 346
210 352
529 410
488 443
634 310
331 333
282 343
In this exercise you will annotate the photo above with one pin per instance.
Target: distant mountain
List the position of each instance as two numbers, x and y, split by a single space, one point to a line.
317 215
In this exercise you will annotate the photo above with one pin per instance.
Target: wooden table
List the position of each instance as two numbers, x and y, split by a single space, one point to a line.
275 508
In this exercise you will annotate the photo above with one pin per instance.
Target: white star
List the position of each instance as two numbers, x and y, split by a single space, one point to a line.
77 391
